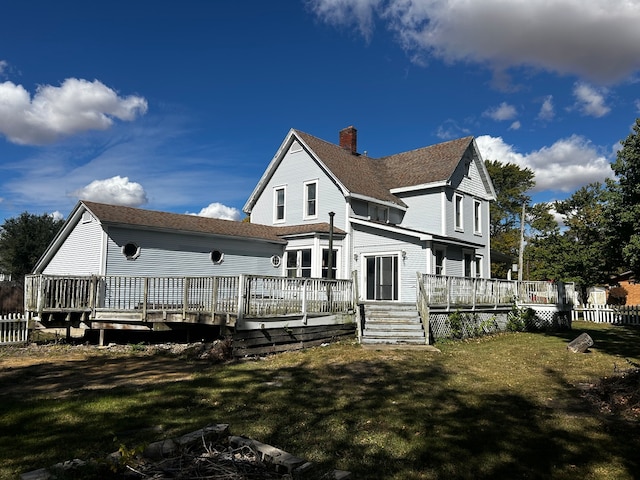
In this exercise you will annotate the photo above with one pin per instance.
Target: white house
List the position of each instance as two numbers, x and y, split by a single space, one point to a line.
425 210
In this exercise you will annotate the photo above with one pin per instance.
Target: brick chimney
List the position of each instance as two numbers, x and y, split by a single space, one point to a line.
349 139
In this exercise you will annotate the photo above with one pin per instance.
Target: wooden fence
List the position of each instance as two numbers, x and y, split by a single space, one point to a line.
13 329
614 314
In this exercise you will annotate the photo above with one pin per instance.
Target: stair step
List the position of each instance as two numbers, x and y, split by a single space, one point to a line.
393 341
397 327
392 324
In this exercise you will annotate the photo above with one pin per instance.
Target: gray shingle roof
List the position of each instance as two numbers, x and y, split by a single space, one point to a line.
375 177
115 214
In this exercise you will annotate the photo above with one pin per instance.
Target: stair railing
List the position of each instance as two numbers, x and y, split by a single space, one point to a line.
422 304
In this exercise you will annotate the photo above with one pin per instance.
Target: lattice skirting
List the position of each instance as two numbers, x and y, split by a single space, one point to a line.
476 323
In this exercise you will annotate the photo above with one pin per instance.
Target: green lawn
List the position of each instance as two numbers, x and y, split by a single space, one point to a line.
502 407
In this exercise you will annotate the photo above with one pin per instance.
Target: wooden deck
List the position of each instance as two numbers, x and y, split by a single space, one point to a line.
151 302
248 303
448 293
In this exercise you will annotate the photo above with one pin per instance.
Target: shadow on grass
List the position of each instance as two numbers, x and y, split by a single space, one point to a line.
397 416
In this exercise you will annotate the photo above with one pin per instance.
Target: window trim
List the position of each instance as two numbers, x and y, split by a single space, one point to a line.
458 212
216 256
478 266
130 256
477 217
443 266
299 267
305 206
276 206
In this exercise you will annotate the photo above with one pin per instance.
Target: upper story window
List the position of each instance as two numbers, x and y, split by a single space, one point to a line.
477 216
458 212
279 194
378 213
311 199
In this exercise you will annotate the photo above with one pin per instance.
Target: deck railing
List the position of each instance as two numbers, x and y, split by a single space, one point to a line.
244 295
451 291
267 296
471 292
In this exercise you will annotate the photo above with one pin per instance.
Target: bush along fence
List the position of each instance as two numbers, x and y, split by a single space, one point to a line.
463 324
13 329
614 314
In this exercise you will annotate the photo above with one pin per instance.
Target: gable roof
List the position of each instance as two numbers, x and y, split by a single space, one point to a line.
364 176
432 164
176 222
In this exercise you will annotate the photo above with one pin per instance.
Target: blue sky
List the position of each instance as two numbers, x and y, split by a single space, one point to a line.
180 106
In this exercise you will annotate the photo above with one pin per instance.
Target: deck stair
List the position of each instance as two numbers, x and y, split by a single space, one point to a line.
392 323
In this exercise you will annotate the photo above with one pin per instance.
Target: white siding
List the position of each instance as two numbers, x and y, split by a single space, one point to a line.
173 254
81 253
424 212
296 168
370 242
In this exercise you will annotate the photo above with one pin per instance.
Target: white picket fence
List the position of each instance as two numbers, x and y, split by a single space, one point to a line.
614 314
13 329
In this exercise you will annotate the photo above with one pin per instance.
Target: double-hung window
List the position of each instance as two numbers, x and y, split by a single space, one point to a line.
311 199
477 217
279 197
457 205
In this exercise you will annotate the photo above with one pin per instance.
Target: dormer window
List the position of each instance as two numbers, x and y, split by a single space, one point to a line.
378 213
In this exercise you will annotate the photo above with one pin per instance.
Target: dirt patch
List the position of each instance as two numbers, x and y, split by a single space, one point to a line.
58 371
618 394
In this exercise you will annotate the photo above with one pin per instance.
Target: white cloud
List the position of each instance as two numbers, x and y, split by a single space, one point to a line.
590 100
57 215
115 191
565 166
590 39
547 110
515 125
218 210
502 112
75 106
